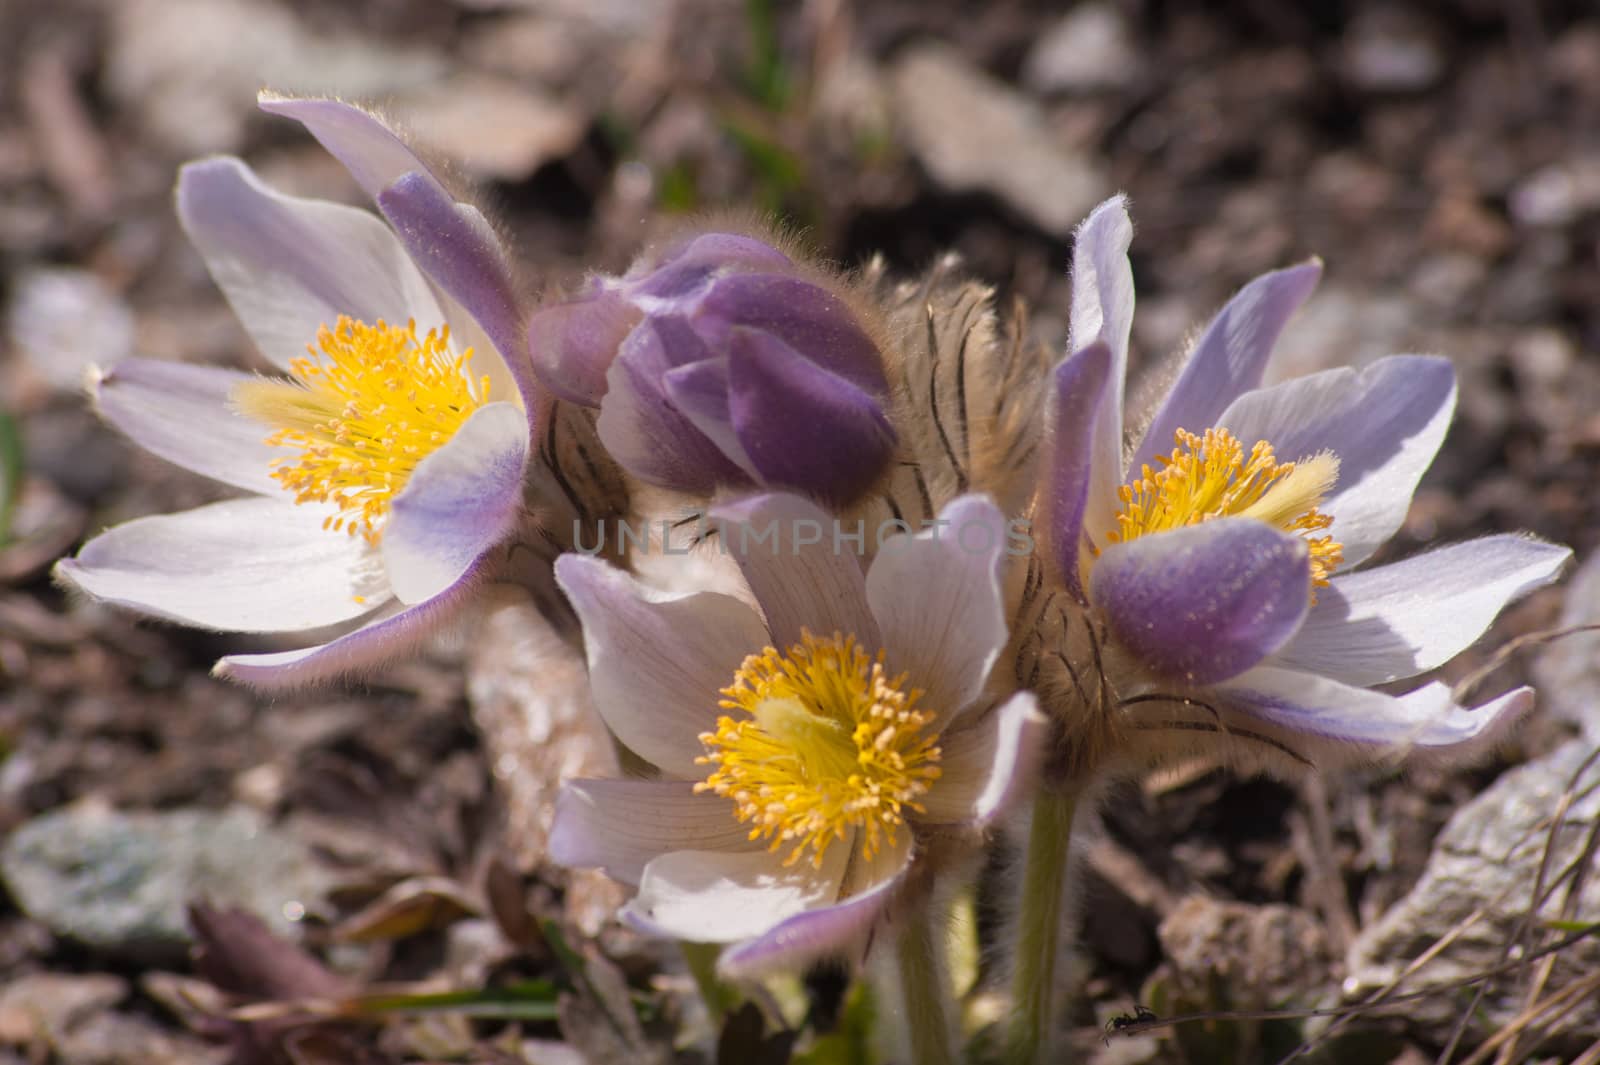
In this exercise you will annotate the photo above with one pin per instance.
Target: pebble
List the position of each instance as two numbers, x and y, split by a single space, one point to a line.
976 134
120 882
1568 672
1088 50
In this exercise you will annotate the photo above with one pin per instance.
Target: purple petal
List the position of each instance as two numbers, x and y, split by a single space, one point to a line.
708 251
1230 357
939 605
685 270
657 662
1081 395
573 344
804 316
461 502
290 266
456 247
184 414
1385 423
1206 602
800 571
1102 309
621 825
699 392
987 766
1320 708
396 632
244 565
645 431
369 149
802 426
826 931
1399 620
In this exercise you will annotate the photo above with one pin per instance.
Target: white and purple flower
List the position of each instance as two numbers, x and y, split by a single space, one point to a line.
806 751
384 462
1216 580
722 361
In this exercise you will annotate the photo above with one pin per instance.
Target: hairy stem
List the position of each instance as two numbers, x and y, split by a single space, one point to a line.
924 994
1044 875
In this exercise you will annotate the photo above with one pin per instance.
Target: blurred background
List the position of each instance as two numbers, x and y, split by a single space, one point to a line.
1443 158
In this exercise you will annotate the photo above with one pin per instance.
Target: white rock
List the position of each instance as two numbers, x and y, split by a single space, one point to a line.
492 127
1568 672
974 133
64 320
1089 49
192 67
1489 856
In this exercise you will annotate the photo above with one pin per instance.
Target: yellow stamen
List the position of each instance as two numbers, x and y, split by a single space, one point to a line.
1210 477
370 403
823 742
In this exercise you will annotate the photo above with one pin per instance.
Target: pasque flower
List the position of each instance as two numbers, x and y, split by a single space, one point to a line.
1212 567
721 360
807 751
383 460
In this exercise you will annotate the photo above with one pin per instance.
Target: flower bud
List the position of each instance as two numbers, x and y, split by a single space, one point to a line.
723 362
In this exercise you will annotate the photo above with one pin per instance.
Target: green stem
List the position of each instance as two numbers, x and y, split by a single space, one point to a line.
924 995
701 958
1039 930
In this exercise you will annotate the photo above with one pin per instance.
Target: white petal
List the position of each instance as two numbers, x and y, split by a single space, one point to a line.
1102 308
1317 708
621 825
937 600
182 413
1399 620
840 929
392 632
246 565
657 661
461 501
800 572
717 897
986 765
289 266
1385 423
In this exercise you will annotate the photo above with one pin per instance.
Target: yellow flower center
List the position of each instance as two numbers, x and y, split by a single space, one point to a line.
823 741
369 403
1210 476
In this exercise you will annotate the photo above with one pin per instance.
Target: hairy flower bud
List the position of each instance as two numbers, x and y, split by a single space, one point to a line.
723 362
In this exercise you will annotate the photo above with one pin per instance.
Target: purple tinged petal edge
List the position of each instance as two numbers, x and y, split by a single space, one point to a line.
1080 397
1231 356
455 246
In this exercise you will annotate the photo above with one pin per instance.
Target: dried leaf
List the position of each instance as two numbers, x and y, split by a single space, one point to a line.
409 907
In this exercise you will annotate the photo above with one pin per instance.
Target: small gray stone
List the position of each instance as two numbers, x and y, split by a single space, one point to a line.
974 133
1089 49
1489 856
1568 672
191 68
64 320
1264 955
1558 194
1392 50
493 127
120 882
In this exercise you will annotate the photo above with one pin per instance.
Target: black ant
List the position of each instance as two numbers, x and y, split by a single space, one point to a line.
1122 1022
